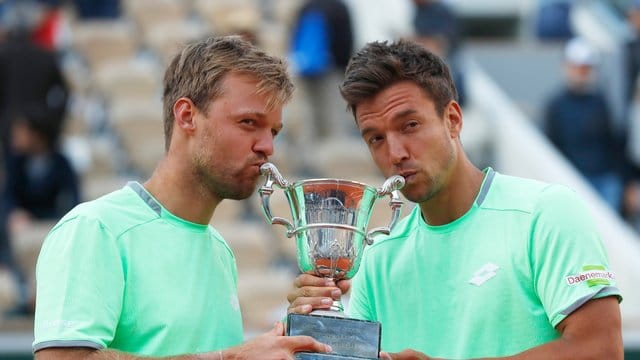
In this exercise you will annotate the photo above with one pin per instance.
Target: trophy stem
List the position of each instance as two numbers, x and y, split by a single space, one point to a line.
337 306
336 310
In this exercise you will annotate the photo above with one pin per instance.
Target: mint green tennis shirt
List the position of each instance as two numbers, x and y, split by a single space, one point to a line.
494 282
121 272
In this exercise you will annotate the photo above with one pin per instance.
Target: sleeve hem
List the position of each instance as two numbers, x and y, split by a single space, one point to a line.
603 292
67 343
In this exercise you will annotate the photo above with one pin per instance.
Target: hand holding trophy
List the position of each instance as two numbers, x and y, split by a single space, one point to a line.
330 219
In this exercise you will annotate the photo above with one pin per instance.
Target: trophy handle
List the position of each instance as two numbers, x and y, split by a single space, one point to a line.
390 187
270 171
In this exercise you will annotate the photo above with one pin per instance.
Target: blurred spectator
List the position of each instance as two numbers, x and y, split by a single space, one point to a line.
633 48
436 28
321 45
552 20
435 17
51 30
578 122
631 204
40 182
631 200
29 74
380 20
97 9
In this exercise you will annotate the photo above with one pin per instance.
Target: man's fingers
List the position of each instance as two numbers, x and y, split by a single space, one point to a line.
307 343
278 328
407 354
344 285
304 305
303 280
302 309
314 292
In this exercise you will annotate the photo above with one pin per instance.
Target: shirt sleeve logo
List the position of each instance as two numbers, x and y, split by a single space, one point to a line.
592 275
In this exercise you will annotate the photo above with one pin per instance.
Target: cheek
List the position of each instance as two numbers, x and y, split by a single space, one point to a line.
381 159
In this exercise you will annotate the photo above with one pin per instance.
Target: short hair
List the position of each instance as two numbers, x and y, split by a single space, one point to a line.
198 71
381 64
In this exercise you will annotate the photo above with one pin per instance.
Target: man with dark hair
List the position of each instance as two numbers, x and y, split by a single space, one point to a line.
139 272
486 265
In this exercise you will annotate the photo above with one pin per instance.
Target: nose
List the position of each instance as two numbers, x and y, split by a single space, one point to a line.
264 144
397 151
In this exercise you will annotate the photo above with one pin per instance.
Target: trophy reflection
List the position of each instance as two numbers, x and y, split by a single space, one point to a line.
330 218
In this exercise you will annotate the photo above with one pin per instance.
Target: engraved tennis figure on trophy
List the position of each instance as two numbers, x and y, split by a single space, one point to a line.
329 221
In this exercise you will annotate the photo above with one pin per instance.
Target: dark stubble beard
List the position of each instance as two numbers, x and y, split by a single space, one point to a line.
437 180
217 183
220 186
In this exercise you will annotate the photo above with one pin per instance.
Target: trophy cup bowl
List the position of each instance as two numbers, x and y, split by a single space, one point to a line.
330 218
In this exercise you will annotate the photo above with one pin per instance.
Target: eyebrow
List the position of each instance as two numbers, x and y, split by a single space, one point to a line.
400 115
255 113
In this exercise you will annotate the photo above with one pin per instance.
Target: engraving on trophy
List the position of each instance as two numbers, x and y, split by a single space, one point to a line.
330 249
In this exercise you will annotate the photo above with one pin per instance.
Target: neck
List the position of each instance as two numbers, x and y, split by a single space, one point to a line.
175 186
457 197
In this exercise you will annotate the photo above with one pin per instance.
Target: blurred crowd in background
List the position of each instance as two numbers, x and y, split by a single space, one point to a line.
80 108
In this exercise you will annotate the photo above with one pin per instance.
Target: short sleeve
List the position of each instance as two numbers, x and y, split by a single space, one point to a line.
80 284
569 261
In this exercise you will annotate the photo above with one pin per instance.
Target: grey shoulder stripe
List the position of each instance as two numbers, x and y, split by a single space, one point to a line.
145 196
67 343
581 301
486 185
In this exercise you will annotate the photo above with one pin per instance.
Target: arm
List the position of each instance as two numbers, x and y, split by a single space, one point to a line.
593 331
269 346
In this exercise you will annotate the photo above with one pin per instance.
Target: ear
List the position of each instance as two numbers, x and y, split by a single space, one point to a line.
184 112
453 116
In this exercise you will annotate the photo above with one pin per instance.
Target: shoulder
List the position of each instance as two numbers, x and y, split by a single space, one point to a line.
116 212
546 205
520 194
217 237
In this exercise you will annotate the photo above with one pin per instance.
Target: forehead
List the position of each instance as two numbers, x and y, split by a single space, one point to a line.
240 90
235 83
394 99
239 96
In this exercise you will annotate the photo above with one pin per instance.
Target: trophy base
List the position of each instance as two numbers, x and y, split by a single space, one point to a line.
349 338
319 356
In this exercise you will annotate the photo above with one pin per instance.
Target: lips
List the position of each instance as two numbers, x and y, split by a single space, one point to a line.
257 165
408 174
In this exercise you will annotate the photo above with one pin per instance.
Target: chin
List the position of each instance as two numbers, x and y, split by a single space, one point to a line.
417 196
244 192
239 195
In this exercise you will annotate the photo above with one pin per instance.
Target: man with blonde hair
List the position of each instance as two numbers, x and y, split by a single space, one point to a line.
139 271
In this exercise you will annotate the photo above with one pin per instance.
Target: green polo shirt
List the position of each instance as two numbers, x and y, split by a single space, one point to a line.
121 272
494 282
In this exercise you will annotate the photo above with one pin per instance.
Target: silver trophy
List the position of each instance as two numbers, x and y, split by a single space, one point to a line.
330 218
